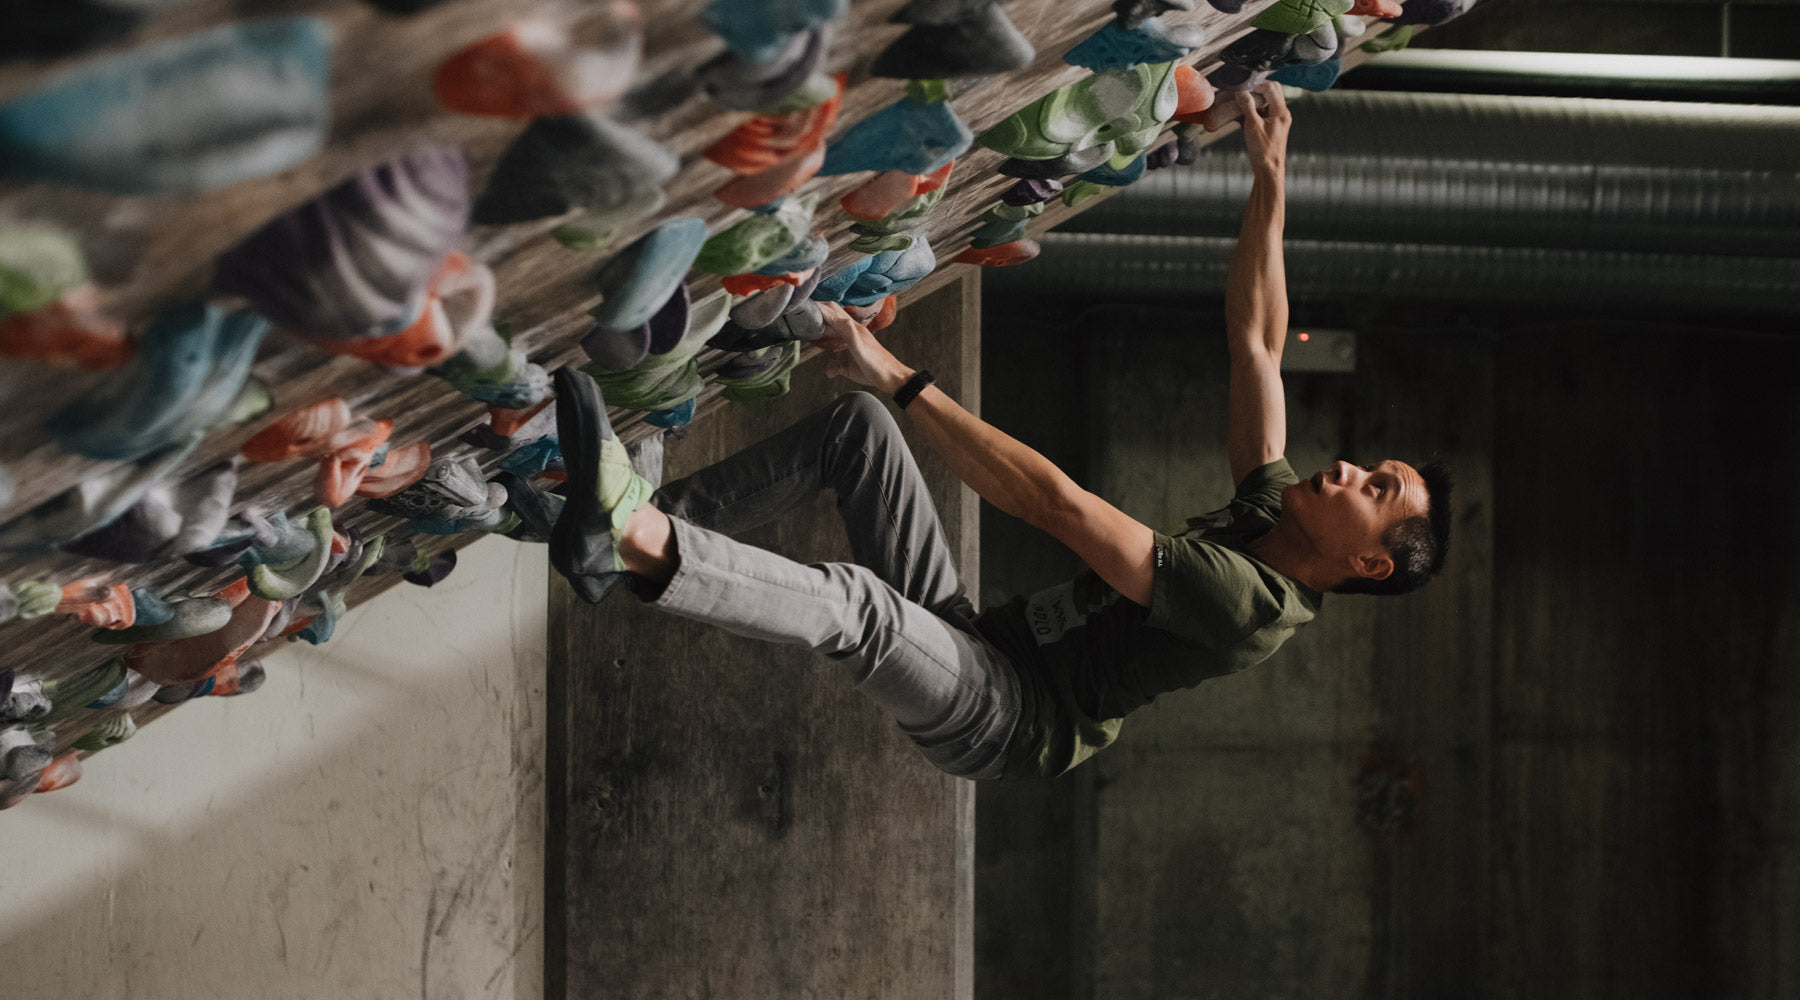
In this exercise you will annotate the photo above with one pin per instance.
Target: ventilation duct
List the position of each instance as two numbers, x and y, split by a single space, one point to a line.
1609 203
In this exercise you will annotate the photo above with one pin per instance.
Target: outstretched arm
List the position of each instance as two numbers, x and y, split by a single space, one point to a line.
1256 306
1000 469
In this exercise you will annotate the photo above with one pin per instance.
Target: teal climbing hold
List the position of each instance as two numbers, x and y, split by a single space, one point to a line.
193 113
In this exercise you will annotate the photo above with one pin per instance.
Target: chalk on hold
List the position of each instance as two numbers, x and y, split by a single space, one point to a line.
112 732
1125 108
1077 162
451 498
203 111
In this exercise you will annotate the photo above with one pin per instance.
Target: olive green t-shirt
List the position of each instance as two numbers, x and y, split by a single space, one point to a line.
1087 656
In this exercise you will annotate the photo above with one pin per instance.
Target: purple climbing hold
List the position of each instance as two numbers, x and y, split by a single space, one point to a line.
1165 155
1031 191
357 260
1077 162
745 84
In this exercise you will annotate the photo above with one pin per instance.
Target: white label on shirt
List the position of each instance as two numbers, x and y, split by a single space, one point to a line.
1051 613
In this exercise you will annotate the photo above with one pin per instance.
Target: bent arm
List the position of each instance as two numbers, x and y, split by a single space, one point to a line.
1002 470
1256 305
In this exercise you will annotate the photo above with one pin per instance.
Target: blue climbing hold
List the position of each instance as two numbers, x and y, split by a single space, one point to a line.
891 272
1318 76
1116 47
197 112
1108 175
759 29
191 364
910 135
639 279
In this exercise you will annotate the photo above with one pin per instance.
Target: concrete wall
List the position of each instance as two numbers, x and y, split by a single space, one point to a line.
367 825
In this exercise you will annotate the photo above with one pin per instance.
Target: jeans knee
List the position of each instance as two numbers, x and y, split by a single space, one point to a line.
864 409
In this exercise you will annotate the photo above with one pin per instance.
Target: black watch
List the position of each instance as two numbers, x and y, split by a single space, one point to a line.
915 385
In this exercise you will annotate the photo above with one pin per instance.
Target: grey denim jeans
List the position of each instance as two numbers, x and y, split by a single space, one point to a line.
896 618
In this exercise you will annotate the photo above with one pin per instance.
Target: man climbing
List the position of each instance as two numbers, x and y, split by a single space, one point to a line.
1037 685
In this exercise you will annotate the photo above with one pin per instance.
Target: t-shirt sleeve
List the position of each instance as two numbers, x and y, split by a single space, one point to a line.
1206 593
1261 489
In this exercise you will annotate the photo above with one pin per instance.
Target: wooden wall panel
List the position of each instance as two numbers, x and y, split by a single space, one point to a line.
729 818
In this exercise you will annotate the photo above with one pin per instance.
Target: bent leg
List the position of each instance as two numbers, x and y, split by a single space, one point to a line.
950 690
852 447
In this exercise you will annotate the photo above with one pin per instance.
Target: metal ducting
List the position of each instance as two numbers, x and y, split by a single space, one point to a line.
1479 198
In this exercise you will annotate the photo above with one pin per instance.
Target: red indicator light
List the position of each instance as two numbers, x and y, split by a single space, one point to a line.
1305 337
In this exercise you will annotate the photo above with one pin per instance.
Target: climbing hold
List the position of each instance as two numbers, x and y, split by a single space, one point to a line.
1123 108
1320 76
758 29
203 111
1297 17
1031 191
60 773
23 753
1193 93
357 260
94 502
99 605
402 467
639 281
760 239
572 162
191 363
189 659
1002 255
663 381
1117 172
169 519
759 375
1116 47
1131 13
789 79
533 70
983 43
917 134
767 140
278 575
113 731
451 498
195 616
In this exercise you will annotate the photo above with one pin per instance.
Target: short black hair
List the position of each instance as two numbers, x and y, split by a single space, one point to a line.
1417 544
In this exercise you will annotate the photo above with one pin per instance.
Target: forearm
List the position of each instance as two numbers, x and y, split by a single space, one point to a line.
1256 305
1005 472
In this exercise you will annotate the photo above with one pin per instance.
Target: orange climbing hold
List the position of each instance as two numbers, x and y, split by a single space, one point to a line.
1004 255
303 432
98 604
405 466
1193 94
889 191
766 140
183 661
533 71
342 469
506 423
68 331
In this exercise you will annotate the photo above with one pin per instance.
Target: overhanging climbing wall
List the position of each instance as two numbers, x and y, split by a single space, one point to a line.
258 276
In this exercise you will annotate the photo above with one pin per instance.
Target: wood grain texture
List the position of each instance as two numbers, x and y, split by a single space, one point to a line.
729 818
